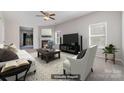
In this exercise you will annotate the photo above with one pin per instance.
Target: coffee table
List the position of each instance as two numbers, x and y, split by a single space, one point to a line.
48 54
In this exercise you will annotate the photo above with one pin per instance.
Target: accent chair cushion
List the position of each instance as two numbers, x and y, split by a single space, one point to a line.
7 55
81 54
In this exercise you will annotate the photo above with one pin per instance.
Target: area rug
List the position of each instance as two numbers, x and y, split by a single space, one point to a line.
44 70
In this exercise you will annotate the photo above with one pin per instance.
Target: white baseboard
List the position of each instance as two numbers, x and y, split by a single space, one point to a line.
122 60
116 59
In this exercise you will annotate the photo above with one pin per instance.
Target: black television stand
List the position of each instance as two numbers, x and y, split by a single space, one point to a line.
74 49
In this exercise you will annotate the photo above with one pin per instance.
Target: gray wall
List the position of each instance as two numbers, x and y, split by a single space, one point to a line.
12 33
13 21
81 25
1 28
123 37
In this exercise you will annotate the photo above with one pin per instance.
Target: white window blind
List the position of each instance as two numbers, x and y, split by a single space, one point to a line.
97 34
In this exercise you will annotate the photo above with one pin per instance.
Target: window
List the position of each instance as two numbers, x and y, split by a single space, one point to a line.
57 37
97 34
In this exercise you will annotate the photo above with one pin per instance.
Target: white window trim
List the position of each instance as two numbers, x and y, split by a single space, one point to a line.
105 23
57 38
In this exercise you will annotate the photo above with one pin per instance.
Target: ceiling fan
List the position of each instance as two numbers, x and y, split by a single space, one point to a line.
46 15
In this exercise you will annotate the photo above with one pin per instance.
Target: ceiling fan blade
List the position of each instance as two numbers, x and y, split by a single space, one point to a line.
52 18
52 14
39 16
43 12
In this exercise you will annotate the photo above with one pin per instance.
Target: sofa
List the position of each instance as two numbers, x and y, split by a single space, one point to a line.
22 54
81 66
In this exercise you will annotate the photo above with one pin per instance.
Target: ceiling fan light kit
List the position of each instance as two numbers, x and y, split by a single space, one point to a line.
46 18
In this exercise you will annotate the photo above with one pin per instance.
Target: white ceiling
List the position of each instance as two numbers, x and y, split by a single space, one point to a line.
30 16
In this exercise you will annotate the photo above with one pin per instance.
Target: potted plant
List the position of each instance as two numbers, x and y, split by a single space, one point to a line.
110 49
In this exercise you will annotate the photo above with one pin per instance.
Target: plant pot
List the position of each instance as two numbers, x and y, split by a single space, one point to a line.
110 56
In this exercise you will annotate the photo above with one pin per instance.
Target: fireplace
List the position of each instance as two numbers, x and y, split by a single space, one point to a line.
44 43
47 44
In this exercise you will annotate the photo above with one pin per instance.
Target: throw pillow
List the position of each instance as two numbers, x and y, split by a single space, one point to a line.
1 46
11 47
81 54
7 55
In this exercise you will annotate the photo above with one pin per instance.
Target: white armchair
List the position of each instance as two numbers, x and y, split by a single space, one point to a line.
81 66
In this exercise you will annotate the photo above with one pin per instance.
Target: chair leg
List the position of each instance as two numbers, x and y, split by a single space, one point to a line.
91 69
16 77
26 74
2 78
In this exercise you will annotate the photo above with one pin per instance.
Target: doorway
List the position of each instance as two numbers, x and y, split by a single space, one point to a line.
26 38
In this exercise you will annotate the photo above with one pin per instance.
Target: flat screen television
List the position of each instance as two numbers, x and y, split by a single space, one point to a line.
70 39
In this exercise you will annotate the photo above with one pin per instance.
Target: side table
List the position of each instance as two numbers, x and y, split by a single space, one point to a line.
15 72
113 57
